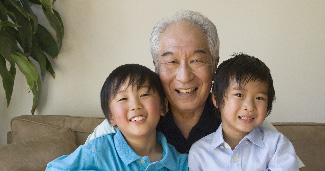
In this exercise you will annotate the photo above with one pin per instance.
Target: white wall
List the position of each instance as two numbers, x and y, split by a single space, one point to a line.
103 34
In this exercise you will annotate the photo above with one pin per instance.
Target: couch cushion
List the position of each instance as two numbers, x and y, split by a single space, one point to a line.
25 126
23 129
33 154
308 140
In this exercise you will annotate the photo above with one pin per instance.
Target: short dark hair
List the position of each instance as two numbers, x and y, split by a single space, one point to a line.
243 68
137 75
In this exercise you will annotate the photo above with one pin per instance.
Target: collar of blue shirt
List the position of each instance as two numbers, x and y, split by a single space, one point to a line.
128 155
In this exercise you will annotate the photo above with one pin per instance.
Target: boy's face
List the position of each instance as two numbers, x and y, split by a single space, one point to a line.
135 112
244 108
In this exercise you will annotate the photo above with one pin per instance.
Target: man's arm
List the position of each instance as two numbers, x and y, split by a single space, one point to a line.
104 128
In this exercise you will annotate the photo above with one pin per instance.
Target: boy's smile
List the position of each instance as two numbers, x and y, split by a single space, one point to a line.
244 107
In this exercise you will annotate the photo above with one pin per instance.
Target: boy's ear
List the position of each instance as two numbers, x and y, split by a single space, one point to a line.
111 120
163 113
214 101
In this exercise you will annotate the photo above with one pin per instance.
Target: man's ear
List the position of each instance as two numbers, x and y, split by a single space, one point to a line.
215 64
154 64
214 101
163 113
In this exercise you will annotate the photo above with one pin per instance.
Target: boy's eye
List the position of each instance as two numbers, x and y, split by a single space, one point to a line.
144 94
239 95
260 98
122 99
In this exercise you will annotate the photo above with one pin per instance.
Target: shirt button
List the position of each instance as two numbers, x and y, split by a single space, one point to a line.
142 161
235 159
247 142
222 147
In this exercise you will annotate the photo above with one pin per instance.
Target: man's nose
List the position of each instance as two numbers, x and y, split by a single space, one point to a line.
184 72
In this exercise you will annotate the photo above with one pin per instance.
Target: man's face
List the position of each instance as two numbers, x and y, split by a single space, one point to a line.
185 62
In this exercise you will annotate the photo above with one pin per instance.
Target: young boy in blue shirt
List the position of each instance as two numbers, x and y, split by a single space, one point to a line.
243 92
133 99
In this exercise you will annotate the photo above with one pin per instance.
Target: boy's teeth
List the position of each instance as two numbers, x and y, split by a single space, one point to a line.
245 118
138 118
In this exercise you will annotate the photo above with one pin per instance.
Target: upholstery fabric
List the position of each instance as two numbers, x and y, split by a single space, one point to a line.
33 154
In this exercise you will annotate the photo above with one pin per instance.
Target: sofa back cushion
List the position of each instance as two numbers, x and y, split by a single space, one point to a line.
308 140
33 154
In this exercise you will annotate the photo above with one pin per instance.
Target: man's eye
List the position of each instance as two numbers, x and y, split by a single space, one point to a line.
172 62
122 99
196 63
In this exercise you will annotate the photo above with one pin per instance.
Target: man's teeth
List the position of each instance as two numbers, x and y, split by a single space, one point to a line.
138 118
186 91
245 118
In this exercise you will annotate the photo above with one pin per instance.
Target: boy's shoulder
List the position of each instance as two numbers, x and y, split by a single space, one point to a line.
270 133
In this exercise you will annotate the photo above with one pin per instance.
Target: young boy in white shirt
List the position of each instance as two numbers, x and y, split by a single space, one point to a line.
243 92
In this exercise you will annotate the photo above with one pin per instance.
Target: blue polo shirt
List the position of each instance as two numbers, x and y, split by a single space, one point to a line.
111 152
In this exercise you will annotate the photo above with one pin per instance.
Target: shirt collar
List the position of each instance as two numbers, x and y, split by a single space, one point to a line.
218 138
128 156
125 152
255 136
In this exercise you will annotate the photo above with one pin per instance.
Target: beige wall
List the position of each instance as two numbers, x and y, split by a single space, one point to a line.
103 34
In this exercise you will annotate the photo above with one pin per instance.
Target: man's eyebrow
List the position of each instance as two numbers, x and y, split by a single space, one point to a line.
166 53
200 51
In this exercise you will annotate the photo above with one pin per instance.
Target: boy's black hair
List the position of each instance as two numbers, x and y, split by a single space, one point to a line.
243 68
136 75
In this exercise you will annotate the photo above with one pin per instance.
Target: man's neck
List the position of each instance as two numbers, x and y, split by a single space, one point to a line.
185 121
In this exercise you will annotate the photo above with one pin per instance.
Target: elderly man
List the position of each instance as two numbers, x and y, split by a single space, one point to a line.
185 52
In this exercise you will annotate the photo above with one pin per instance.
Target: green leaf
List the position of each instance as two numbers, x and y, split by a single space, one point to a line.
25 32
46 41
20 9
27 68
49 68
31 74
3 12
35 2
13 37
4 24
31 14
7 79
36 92
5 47
40 57
55 22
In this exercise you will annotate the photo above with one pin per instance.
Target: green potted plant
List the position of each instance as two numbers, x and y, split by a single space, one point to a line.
26 43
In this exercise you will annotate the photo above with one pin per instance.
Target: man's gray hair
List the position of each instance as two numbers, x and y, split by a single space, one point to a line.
196 18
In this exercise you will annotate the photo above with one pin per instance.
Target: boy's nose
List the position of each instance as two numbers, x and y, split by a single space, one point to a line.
135 104
249 105
184 73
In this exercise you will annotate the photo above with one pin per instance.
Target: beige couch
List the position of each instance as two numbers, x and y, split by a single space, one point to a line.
36 140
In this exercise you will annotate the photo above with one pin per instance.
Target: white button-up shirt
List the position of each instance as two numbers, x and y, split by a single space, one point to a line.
261 149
